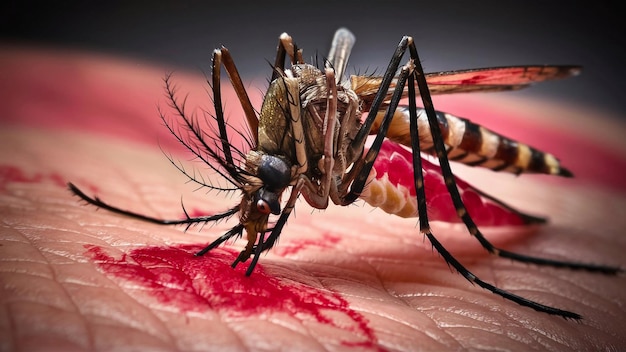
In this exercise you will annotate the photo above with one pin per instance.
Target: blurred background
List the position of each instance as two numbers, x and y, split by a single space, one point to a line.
449 35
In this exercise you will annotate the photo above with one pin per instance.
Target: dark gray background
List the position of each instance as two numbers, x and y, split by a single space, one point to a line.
449 35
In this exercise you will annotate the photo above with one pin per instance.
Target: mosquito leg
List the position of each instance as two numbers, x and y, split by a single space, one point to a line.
235 231
285 47
188 220
279 62
226 162
217 103
425 227
359 140
363 166
282 220
260 247
508 295
330 119
223 56
450 182
317 195
262 244
418 172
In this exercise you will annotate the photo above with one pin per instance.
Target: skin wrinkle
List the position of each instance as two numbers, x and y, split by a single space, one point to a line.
464 313
152 309
497 331
10 339
551 338
169 337
133 325
577 287
436 338
309 333
420 309
243 330
511 343
403 323
155 334
55 333
448 332
87 327
599 307
58 287
292 327
303 322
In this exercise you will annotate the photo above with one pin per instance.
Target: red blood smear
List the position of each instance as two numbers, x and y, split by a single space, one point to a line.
396 162
174 276
11 174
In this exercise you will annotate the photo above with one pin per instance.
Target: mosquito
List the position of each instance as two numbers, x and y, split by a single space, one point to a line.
309 139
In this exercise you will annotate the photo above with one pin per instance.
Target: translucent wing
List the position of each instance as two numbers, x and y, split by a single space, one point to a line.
488 79
495 78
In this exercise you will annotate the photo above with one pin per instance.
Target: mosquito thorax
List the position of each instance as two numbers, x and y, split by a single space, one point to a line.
307 74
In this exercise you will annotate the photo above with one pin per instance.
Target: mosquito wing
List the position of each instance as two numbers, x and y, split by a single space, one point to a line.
506 75
490 79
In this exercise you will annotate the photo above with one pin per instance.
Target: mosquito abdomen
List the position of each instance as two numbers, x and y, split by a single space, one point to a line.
475 145
391 187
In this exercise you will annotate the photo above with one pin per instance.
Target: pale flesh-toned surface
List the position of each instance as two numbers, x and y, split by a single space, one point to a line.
55 298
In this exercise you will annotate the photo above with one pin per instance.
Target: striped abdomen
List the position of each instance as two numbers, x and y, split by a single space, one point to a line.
474 145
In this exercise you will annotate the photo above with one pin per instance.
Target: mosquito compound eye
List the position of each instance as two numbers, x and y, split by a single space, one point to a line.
274 172
263 207
267 202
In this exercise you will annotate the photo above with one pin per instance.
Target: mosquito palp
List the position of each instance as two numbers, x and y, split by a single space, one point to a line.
309 139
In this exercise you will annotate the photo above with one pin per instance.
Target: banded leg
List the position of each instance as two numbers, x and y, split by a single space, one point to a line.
235 231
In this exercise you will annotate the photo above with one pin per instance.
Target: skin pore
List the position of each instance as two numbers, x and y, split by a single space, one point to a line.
78 278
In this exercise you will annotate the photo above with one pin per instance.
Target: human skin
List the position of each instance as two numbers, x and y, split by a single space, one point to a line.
340 279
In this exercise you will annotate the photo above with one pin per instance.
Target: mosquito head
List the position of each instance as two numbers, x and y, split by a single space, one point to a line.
275 175
266 178
269 175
